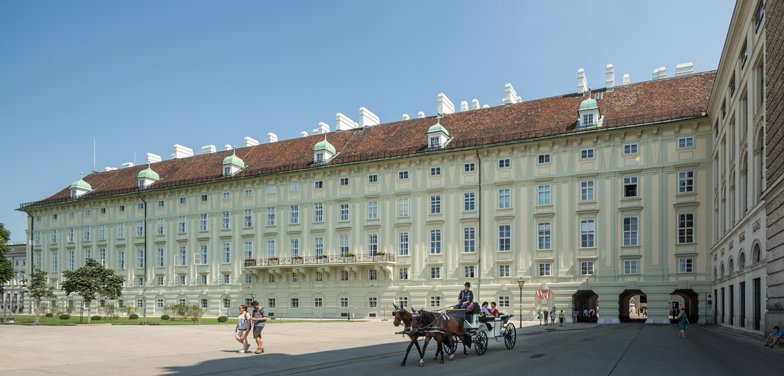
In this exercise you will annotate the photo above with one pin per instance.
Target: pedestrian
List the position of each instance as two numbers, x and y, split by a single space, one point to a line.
561 316
552 316
539 316
575 313
774 337
682 321
585 314
546 316
258 317
241 331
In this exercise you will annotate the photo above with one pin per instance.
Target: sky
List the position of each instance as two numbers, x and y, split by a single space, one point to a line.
140 76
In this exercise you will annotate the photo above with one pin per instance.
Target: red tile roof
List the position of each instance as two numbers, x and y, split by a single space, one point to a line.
635 104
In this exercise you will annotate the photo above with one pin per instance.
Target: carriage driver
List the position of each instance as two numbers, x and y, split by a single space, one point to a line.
466 297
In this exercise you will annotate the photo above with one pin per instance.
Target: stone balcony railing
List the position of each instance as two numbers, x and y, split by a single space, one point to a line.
268 262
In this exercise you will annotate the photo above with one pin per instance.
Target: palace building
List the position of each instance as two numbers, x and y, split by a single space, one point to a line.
596 199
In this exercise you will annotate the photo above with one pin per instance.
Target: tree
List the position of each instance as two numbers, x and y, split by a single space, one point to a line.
39 289
91 281
6 270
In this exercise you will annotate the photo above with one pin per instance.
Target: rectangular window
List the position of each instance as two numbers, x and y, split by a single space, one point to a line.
372 275
587 190
343 302
504 163
247 249
248 218
270 216
102 256
160 227
88 254
271 248
181 225
435 242
630 149
318 246
343 213
272 189
372 244
586 154
630 231
504 198
86 234
435 204
343 275
204 303
469 167
685 181
630 186
759 15
343 245
545 270
372 210
248 193
686 143
319 277
587 233
503 301
203 198
435 171
343 182
544 236
69 236
469 240
53 236
294 214
161 203
203 222
587 119
402 208
503 270
402 243
226 253
544 158
318 302
402 175
183 200
685 228
372 178
182 281
294 247
182 256
318 212
201 257
160 257
226 221
402 273
121 259
435 142
140 258
71 260
504 238
101 232
586 267
294 302
469 201
435 272
544 195
227 195
318 184
629 266
294 187
686 265
469 271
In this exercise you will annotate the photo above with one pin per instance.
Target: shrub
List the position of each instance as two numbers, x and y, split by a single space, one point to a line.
49 314
133 316
165 317
96 317
223 319
65 316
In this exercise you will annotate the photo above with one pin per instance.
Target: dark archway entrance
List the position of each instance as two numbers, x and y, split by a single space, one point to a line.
632 306
686 298
585 302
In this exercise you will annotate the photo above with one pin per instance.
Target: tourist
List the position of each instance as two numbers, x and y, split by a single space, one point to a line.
466 297
561 318
258 317
494 310
241 331
546 316
539 316
682 321
585 314
575 313
486 309
774 337
552 316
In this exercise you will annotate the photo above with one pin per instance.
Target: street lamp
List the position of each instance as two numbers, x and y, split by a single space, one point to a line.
521 283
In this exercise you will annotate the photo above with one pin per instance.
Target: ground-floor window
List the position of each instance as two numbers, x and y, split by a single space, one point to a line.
372 302
318 302
503 301
344 302
271 303
294 302
435 301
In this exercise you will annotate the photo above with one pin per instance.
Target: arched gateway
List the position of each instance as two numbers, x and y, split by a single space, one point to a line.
686 298
585 301
632 306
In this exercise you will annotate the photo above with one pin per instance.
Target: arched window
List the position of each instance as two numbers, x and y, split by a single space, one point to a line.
715 274
742 260
755 254
744 182
759 164
732 266
722 270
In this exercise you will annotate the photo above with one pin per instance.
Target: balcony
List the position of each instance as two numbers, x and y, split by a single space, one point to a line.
272 262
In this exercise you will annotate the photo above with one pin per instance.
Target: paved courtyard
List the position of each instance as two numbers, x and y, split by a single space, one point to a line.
361 348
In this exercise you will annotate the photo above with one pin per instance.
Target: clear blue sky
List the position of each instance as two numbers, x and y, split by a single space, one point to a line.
140 76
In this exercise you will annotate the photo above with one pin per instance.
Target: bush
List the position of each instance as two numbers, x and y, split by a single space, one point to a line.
165 317
96 317
223 319
49 314
65 316
133 316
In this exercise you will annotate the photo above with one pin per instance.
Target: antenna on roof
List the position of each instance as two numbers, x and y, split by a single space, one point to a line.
94 155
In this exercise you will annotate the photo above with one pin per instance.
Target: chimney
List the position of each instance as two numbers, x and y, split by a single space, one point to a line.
367 118
251 141
343 122
110 168
486 106
153 158
475 104
582 82
303 134
227 147
272 137
322 128
626 79
127 165
406 117
421 114
208 149
463 106
684 69
659 73
609 76
445 106
181 152
510 95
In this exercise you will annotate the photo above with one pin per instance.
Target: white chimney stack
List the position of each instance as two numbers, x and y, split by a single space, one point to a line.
303 134
272 137
421 114
406 117
486 106
684 69
227 147
463 106
475 104
510 95
445 106
659 73
367 118
208 149
582 81
322 128
181 152
249 141
153 158
343 122
626 79
110 168
127 165
609 76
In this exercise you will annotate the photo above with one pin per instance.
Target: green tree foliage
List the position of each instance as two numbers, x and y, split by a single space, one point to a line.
91 281
39 289
6 270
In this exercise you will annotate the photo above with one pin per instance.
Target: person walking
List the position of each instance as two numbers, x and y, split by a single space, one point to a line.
258 317
241 331
539 316
561 317
682 321
552 316
546 316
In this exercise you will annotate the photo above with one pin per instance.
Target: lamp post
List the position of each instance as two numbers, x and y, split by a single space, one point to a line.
521 283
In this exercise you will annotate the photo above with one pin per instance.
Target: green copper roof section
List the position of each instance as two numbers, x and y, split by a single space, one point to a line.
83 185
148 173
234 160
588 104
324 145
437 127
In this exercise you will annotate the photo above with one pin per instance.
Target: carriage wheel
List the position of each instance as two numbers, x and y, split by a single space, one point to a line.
480 343
449 350
510 336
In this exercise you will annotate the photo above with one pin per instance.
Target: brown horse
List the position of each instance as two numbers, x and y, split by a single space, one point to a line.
444 327
403 317
427 323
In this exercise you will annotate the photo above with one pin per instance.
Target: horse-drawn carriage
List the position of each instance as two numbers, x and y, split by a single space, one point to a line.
481 327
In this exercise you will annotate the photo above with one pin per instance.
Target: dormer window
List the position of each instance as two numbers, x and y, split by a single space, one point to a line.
147 177
319 157
226 171
588 114
437 136
435 142
80 187
323 151
232 165
587 119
